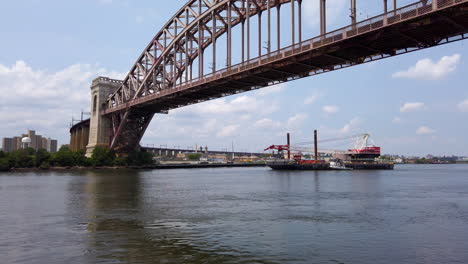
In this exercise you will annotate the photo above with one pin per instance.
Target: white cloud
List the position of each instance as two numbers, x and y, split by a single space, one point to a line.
245 117
296 121
30 97
242 104
424 130
352 125
228 131
426 69
331 109
397 120
267 123
272 89
313 97
411 107
463 106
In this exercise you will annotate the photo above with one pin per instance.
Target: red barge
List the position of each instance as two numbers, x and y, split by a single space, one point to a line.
362 157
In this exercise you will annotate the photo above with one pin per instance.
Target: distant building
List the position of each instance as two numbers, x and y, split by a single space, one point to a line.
219 158
37 142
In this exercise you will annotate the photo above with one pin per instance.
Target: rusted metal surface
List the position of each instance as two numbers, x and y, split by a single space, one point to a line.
163 78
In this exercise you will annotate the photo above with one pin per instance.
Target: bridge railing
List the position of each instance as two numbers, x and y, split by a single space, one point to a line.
391 17
377 22
365 26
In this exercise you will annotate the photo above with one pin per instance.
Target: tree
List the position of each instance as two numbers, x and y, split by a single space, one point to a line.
139 158
30 151
2 154
120 161
63 158
4 164
80 159
42 156
21 159
194 156
102 156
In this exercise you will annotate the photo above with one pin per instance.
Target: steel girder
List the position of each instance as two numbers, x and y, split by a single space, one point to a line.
165 67
169 57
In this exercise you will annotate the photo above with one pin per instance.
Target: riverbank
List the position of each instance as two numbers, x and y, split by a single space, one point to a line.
152 167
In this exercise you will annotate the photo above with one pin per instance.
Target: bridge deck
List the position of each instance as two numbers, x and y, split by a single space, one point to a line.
407 29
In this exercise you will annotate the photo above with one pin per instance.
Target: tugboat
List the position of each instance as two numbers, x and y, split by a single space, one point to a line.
337 164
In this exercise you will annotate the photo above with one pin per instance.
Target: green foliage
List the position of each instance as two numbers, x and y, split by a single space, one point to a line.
41 156
63 158
139 158
194 156
64 148
120 161
4 164
80 159
30 151
21 159
44 165
102 156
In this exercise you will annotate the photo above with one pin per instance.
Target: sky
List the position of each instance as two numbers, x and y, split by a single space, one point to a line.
51 50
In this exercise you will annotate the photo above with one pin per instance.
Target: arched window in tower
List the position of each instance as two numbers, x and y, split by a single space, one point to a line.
95 104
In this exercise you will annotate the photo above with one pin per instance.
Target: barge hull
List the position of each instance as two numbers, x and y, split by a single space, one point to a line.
370 166
326 166
296 166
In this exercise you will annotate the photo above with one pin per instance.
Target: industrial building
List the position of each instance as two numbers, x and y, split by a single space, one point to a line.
37 142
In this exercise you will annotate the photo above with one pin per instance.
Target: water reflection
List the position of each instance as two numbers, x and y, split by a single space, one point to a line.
122 228
235 216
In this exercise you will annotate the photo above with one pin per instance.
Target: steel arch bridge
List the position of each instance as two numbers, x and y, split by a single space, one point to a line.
172 72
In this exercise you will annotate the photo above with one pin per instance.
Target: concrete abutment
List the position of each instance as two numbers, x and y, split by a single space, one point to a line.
100 126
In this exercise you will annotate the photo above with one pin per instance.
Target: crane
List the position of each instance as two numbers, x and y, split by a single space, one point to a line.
361 146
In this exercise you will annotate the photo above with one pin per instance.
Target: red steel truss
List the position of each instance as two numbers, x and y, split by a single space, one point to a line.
170 73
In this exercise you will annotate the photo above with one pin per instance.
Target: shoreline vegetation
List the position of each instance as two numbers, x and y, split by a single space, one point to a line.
29 160
102 157
151 167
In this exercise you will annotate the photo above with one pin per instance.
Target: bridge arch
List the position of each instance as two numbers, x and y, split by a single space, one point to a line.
158 68
165 68
182 42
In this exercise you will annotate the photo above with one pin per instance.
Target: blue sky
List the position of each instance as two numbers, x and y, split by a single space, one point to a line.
51 50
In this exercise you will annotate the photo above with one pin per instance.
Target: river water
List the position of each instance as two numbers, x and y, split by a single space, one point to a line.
414 214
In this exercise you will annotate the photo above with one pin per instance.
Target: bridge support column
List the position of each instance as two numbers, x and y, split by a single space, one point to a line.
78 139
100 126
385 12
323 17
353 12
84 138
72 141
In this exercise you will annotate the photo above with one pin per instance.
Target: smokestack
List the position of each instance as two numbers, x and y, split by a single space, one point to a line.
289 146
315 145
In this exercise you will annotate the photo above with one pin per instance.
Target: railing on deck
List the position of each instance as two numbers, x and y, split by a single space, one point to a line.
365 26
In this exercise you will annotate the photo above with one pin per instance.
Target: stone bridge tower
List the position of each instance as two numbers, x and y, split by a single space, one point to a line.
100 126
